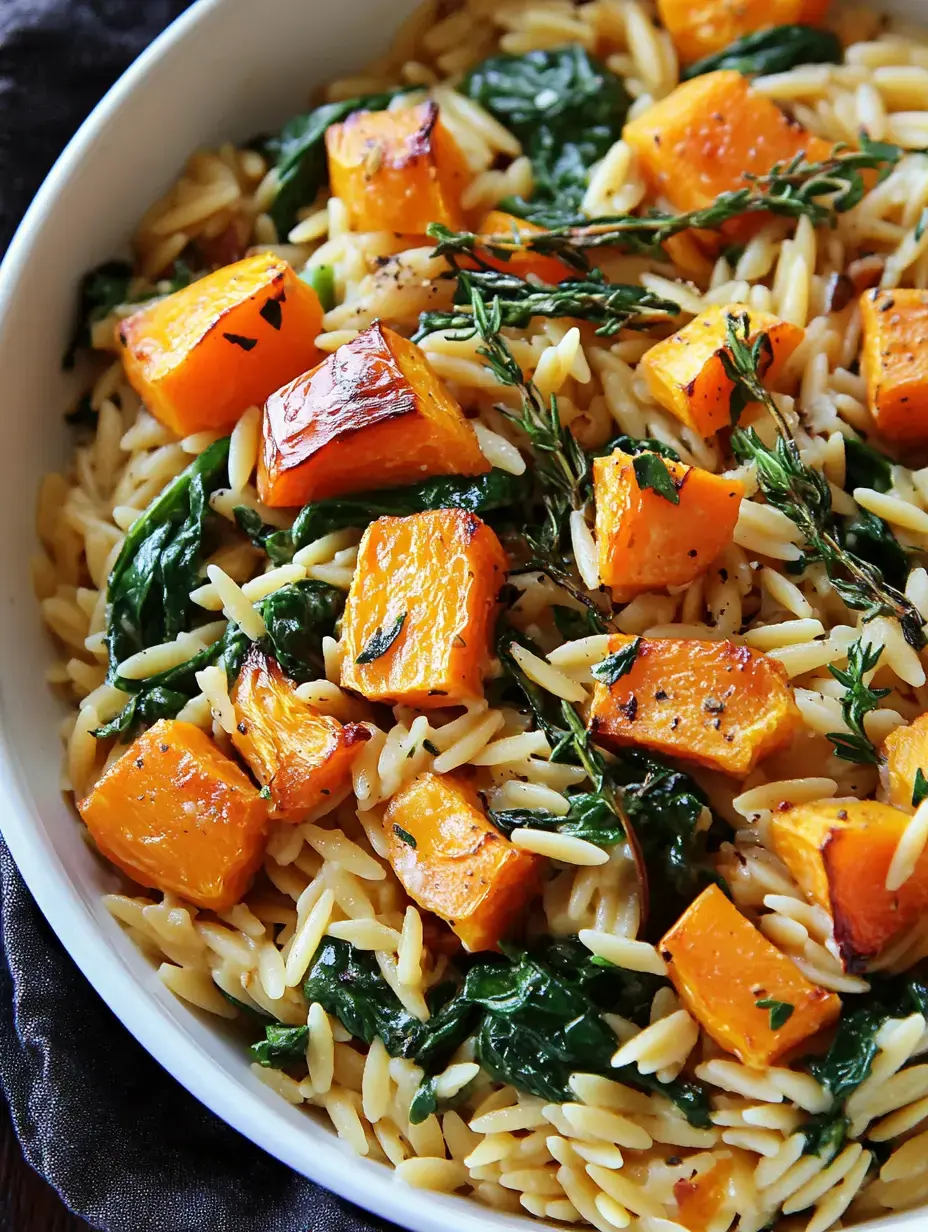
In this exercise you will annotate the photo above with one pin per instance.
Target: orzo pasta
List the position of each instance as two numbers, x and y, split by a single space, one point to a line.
550 780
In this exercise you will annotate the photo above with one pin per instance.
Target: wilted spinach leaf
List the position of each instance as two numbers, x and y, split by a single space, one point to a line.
281 1045
298 151
159 564
866 467
564 106
297 617
871 538
590 818
774 50
104 288
481 494
635 445
611 670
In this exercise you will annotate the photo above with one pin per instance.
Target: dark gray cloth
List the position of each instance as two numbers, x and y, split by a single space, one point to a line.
123 1144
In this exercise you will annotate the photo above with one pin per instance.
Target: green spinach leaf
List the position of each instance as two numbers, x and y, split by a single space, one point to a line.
564 106
590 818
159 564
774 50
871 538
281 1045
615 666
866 467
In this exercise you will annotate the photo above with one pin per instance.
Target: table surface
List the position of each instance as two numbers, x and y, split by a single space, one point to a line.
34 1206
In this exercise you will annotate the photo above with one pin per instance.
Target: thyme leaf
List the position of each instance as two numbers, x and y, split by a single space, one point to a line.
381 640
858 701
819 191
803 495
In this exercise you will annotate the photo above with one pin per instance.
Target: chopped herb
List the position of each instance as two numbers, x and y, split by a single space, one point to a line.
804 496
919 788
239 340
858 701
404 836
780 1011
430 747
265 793
381 640
609 306
819 191
617 665
651 472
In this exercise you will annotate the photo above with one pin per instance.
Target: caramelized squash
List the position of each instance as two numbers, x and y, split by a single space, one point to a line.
704 138
199 358
702 27
644 540
699 1200
420 612
452 861
397 170
722 705
301 756
839 851
723 967
906 752
894 359
372 415
177 815
522 262
685 373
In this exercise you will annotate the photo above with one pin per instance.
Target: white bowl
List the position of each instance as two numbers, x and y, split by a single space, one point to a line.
226 69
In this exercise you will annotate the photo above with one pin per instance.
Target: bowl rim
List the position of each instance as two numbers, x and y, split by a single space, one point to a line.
328 1162
372 1186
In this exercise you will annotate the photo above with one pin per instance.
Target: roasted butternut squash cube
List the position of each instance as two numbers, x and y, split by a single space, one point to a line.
452 861
300 755
685 373
731 978
397 170
420 612
372 415
176 814
722 705
700 1199
839 851
706 136
644 540
702 27
906 752
895 362
522 262
199 358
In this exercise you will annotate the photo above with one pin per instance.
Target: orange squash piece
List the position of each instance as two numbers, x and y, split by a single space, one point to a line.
522 262
199 358
702 27
457 864
177 815
397 170
839 851
427 584
894 359
703 138
906 752
644 540
300 755
372 415
725 706
721 966
699 1200
685 374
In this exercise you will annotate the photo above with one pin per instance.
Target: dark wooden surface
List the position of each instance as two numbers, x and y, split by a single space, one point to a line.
33 1205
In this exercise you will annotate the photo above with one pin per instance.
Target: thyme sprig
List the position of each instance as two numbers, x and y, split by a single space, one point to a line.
858 701
562 468
819 191
609 306
802 494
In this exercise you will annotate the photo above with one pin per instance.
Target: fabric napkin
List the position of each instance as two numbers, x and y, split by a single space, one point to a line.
124 1145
